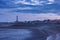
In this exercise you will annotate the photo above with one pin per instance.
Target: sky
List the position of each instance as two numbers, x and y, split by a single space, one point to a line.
29 10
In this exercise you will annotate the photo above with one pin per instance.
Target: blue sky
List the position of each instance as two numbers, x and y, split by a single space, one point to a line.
29 10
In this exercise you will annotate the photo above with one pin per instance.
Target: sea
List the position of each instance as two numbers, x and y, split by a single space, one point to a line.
21 34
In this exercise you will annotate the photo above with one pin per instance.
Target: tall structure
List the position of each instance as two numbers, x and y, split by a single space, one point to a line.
17 19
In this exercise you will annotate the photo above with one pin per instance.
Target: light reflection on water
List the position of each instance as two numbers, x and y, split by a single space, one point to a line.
14 34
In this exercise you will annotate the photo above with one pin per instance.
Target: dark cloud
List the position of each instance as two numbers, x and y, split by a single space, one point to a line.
55 7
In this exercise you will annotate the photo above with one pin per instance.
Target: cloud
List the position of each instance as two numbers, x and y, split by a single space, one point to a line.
19 3
51 8
34 2
27 3
54 8
51 1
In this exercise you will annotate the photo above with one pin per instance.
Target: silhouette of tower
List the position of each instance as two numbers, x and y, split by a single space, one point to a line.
16 18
